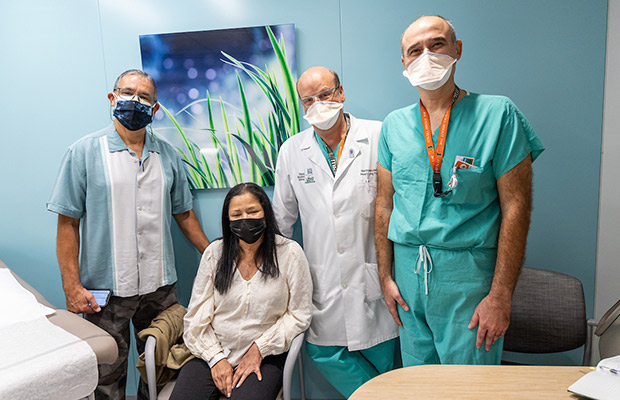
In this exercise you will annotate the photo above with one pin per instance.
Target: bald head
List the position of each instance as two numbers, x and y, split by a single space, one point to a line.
433 34
319 81
318 73
436 22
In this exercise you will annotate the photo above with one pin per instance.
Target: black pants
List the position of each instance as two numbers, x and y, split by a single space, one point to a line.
195 382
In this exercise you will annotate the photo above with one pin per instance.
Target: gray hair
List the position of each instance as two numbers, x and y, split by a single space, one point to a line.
336 78
139 73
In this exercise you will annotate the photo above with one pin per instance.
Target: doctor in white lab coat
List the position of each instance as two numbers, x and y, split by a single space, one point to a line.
327 176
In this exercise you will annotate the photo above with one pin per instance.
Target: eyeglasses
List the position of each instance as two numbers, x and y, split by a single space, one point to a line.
128 94
322 96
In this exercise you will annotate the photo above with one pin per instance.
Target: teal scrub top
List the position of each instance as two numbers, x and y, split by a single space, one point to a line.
325 150
489 129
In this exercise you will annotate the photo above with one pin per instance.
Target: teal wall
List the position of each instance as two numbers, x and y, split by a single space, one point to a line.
60 58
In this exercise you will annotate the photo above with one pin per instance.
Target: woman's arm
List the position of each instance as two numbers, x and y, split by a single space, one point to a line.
277 339
199 336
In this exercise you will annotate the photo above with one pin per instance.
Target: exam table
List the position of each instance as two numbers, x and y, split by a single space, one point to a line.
102 344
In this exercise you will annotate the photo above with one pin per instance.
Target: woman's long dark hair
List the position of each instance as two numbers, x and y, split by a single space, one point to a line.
231 251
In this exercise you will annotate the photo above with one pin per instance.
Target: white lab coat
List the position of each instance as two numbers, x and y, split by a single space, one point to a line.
337 218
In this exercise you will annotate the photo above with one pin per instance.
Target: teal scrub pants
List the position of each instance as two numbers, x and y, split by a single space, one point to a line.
435 327
347 370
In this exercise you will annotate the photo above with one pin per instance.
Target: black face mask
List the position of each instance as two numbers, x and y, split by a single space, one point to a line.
133 115
249 230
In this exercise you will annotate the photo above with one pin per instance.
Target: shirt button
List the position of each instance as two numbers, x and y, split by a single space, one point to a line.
344 285
336 215
340 250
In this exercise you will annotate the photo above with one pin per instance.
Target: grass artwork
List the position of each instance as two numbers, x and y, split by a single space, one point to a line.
243 141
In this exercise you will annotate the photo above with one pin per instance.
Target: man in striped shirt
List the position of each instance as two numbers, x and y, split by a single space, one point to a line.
122 184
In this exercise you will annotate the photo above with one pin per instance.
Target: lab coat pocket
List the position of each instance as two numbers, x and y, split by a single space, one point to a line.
373 286
472 185
366 197
317 272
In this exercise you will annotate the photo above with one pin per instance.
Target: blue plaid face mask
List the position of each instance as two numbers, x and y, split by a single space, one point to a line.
133 115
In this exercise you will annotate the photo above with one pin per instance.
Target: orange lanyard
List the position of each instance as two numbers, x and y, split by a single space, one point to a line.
333 161
436 157
340 147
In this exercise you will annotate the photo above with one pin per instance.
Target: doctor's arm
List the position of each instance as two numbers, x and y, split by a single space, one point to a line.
285 204
78 299
492 315
385 249
189 225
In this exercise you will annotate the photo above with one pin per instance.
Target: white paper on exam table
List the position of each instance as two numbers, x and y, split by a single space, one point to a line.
39 360
16 303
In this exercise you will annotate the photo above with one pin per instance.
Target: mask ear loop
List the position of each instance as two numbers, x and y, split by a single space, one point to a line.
112 108
149 127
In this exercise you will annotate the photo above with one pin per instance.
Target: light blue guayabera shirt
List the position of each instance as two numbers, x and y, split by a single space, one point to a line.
489 129
125 205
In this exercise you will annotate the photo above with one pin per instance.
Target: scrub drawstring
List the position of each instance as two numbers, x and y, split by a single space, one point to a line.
424 257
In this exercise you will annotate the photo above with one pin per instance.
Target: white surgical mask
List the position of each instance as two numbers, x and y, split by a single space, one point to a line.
430 71
323 114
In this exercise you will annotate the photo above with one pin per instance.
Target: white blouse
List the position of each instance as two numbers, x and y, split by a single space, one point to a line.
269 312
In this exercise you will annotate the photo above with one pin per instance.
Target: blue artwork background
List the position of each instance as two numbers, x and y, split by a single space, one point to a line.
188 65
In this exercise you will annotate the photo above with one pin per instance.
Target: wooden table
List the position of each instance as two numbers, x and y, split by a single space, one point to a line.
480 382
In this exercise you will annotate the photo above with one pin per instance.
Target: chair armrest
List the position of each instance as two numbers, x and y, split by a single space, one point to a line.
149 361
104 346
287 377
587 350
608 319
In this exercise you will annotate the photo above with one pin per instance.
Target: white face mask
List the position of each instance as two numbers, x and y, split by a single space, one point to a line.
430 71
323 114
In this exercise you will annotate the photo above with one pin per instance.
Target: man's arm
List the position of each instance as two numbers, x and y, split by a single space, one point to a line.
79 300
492 315
190 227
385 249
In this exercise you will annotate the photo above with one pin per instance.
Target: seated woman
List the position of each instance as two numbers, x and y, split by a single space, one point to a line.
252 295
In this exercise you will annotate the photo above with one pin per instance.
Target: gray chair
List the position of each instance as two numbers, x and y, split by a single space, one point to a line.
548 315
293 356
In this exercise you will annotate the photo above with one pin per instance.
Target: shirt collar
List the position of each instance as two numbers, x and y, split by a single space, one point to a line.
115 143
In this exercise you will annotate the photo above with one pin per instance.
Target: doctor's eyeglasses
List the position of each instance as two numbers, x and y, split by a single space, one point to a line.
322 96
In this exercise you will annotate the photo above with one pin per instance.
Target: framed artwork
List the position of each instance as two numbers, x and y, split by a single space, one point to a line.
227 100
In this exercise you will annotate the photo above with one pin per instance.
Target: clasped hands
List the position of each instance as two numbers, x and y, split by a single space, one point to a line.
225 378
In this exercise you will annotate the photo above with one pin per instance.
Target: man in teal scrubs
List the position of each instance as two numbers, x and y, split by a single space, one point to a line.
453 207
